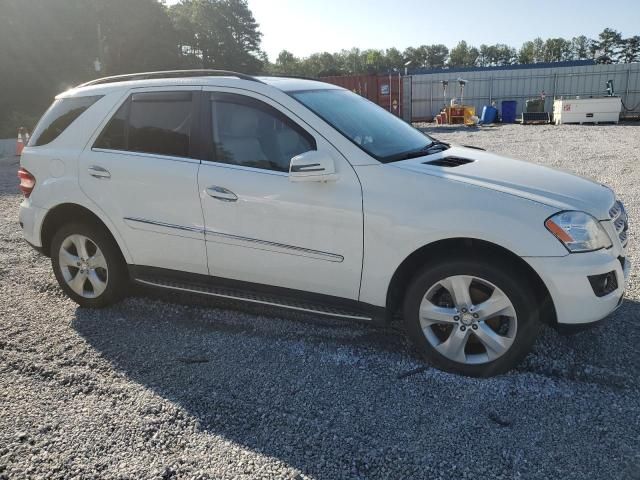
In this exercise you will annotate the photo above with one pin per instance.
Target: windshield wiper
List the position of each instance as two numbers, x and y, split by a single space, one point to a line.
434 147
437 143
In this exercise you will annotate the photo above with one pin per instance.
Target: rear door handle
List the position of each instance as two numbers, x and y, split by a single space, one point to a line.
221 193
99 172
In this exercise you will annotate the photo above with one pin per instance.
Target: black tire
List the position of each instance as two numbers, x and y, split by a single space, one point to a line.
508 278
117 279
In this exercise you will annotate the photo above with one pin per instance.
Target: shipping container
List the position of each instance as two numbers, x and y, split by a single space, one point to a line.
522 82
385 90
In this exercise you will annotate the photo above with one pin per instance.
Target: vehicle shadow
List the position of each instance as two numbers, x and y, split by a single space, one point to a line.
328 396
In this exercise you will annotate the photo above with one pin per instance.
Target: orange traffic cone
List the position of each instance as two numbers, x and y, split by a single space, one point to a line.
23 138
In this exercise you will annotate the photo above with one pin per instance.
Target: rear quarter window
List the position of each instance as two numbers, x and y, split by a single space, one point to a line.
62 113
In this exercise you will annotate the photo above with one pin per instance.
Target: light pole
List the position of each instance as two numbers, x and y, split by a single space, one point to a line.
97 63
406 66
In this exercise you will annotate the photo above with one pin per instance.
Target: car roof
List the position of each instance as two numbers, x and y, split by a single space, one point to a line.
285 84
292 84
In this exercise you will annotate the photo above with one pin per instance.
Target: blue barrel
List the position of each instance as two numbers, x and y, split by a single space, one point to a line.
509 111
489 114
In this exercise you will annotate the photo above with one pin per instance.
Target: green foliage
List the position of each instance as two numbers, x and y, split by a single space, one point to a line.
43 50
495 55
128 38
631 49
557 50
462 55
49 46
606 48
217 34
581 46
427 56
610 47
394 59
345 62
527 53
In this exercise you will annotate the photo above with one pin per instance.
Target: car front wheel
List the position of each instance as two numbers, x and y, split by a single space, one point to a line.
472 317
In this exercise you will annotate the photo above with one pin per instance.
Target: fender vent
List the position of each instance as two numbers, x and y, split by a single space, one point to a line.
449 162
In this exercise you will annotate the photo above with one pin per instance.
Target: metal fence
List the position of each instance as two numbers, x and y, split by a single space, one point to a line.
485 86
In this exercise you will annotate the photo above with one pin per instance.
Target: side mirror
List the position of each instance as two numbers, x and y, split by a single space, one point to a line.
312 166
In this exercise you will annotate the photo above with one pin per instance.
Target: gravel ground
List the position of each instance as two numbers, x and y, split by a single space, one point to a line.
154 388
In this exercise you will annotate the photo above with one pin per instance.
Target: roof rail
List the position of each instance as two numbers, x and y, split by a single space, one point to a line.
169 74
299 77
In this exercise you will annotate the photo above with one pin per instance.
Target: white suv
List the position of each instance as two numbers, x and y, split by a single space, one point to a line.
303 195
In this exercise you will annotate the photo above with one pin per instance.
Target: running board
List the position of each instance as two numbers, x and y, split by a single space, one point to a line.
251 297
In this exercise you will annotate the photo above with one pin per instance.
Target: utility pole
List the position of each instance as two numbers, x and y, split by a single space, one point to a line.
98 64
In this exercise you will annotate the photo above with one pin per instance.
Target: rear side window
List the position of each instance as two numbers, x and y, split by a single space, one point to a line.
155 122
62 113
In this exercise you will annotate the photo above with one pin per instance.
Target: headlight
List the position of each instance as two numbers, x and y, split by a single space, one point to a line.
578 231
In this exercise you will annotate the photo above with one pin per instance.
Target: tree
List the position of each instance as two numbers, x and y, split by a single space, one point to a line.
416 56
436 55
607 48
44 50
581 47
462 55
287 63
631 49
504 54
321 65
218 34
129 39
394 59
484 58
430 56
472 57
527 53
459 55
375 60
351 61
557 50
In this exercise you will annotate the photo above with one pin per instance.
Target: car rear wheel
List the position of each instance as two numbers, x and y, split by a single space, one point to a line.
88 265
472 317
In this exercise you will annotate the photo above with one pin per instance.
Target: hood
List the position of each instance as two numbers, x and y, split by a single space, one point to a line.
554 188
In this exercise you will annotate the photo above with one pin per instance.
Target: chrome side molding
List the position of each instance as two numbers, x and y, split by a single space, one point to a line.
274 246
245 241
164 224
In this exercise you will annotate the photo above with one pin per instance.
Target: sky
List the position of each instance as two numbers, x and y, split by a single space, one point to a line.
307 26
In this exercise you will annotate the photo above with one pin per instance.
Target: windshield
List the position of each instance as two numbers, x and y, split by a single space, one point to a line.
376 131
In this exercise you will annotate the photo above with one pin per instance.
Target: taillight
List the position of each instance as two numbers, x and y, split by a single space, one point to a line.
27 182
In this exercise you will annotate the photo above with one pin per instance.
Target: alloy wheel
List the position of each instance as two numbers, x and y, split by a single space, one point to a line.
83 266
468 319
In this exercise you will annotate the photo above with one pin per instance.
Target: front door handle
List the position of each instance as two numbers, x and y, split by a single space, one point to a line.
99 172
221 193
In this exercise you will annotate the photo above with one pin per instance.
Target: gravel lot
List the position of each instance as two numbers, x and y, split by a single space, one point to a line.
154 388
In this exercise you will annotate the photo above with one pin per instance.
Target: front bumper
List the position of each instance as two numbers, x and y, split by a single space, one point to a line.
567 280
573 328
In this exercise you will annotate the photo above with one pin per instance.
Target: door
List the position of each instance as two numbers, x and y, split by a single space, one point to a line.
142 170
259 226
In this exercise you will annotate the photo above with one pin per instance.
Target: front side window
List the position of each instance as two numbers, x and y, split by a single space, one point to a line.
376 131
251 133
155 122
62 113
